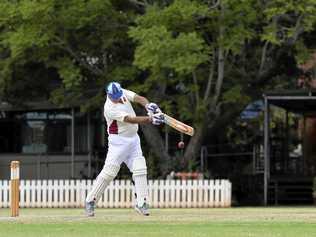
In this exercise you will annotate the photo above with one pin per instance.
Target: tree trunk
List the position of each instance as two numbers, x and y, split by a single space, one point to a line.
191 152
219 122
155 142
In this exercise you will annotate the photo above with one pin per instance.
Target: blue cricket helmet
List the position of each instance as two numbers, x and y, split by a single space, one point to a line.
114 90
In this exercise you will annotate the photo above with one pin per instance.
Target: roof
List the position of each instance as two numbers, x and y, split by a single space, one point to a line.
297 101
32 106
45 104
252 110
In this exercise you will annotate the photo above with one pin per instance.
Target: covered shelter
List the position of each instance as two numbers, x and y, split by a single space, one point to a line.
50 141
288 160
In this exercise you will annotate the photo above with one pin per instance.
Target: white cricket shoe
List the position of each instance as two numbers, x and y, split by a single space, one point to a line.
143 210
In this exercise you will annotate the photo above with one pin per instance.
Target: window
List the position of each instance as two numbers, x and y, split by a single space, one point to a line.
47 132
35 132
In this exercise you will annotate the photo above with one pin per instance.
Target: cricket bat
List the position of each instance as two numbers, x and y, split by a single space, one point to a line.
179 126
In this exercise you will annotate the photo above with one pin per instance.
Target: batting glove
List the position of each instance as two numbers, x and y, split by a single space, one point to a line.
157 119
152 108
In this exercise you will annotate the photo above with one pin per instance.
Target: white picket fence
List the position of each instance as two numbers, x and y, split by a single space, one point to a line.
119 194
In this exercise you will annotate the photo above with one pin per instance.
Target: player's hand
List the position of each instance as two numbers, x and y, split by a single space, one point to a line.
152 108
157 118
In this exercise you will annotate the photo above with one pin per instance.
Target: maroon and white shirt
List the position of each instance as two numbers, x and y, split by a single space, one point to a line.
114 114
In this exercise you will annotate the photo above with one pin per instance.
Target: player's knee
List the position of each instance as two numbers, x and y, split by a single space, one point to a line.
109 171
139 166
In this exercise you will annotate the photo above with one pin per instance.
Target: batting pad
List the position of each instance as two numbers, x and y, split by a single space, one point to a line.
140 179
107 174
109 170
139 166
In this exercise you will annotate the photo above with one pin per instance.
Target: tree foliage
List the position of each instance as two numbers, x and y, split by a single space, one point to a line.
83 42
219 53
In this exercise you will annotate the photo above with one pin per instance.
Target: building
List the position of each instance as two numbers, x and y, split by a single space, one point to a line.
290 161
51 142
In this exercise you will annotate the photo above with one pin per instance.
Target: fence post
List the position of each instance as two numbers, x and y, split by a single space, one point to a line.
15 178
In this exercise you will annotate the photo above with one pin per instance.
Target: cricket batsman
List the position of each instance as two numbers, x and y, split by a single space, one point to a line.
124 144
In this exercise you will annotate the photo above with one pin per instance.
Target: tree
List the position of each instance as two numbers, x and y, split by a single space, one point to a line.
77 45
207 59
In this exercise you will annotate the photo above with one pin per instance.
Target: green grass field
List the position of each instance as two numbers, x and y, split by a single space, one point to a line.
231 222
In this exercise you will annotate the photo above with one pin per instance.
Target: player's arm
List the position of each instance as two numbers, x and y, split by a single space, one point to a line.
141 100
132 96
155 119
151 108
123 116
137 119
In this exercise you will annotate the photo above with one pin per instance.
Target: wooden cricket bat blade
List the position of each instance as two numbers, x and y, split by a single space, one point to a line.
179 126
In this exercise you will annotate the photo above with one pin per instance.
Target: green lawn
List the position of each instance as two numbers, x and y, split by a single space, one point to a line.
231 222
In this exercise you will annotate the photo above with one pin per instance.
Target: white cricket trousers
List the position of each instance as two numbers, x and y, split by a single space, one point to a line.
128 150
123 149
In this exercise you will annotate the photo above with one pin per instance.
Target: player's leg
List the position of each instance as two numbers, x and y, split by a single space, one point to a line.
107 174
139 170
116 155
137 165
